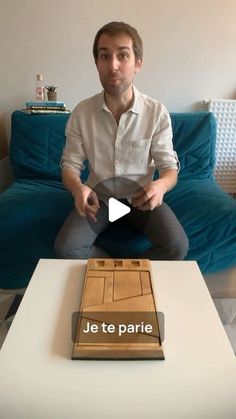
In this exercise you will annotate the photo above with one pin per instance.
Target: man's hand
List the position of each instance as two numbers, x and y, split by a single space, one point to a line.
151 196
86 202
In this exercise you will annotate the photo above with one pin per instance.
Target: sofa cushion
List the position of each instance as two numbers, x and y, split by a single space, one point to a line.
194 140
36 145
208 215
31 213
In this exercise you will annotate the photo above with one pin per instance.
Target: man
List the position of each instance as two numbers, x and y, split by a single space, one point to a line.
123 134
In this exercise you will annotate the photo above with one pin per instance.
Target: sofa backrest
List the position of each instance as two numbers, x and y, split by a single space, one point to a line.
37 142
194 138
36 145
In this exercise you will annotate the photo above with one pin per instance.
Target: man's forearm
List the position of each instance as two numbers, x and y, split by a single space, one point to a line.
71 181
168 179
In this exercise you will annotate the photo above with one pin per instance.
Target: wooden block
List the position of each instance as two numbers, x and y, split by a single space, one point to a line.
145 282
118 264
94 291
142 302
127 284
118 313
108 290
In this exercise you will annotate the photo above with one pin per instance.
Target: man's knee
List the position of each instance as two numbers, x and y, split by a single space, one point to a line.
64 248
175 248
61 250
176 244
67 249
179 248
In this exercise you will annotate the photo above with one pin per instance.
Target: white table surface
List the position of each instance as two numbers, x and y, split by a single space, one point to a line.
39 380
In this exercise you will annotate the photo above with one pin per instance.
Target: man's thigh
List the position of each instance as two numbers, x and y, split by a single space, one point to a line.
160 224
77 232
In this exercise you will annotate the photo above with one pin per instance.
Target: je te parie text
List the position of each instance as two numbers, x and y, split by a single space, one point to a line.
122 328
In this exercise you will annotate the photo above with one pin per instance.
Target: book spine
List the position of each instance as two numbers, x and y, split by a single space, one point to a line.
60 108
46 111
44 103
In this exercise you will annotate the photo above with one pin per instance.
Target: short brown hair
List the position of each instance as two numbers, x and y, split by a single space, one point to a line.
114 28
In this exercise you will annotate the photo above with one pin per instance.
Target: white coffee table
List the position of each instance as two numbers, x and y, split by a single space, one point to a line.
39 380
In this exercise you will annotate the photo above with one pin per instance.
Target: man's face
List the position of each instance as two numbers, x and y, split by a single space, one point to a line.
116 63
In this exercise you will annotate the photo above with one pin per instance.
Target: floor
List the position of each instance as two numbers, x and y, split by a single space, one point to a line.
9 303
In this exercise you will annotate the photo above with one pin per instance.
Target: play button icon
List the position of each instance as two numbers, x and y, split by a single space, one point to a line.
116 209
115 196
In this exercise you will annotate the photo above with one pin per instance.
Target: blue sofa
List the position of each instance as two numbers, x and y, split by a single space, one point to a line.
34 207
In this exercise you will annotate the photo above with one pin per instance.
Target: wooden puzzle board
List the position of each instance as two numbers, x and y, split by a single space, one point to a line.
118 313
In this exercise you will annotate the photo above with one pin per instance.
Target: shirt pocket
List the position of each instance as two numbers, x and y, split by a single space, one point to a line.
139 155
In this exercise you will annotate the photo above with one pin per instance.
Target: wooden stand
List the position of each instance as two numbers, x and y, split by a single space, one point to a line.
118 314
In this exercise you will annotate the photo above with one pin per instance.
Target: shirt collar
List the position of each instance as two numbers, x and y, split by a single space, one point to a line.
135 107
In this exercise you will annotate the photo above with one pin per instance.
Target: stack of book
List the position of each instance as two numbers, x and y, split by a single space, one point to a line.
45 107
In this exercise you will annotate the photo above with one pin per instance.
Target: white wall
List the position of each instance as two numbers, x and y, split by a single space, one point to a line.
189 48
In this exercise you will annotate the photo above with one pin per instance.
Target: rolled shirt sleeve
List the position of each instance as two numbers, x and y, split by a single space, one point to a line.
162 151
74 153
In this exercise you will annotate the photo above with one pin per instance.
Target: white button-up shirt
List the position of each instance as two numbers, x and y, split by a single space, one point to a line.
139 144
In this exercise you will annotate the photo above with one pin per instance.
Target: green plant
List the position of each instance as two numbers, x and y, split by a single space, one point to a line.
51 87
